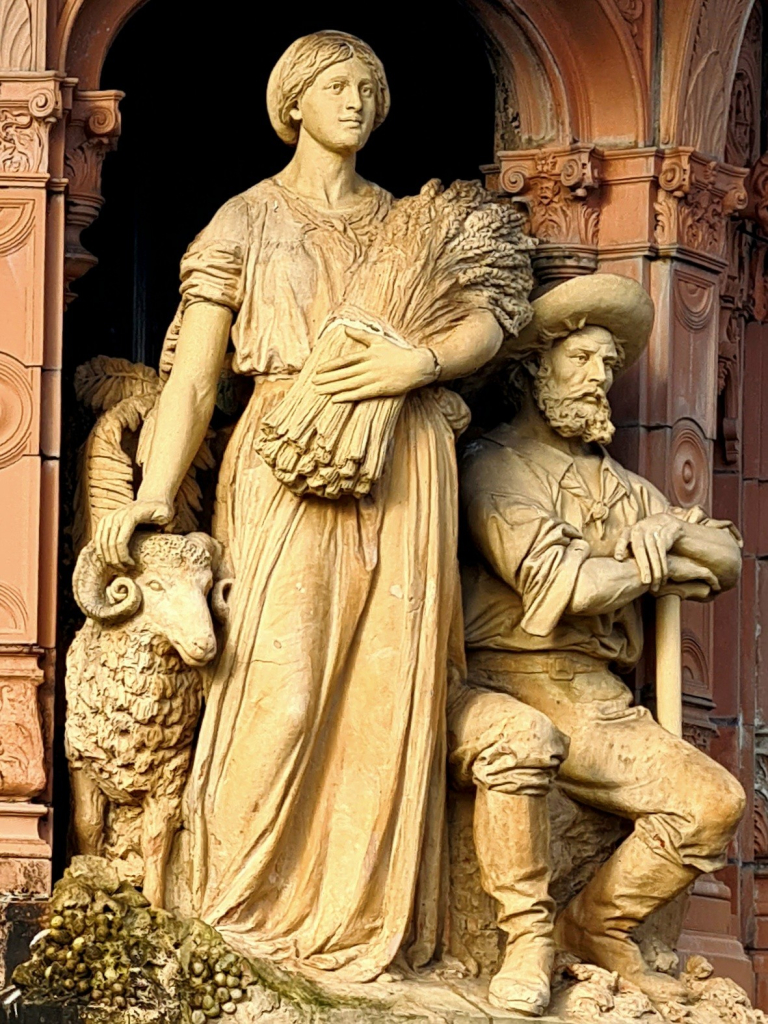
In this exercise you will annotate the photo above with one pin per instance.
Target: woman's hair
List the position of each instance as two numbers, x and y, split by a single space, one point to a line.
300 65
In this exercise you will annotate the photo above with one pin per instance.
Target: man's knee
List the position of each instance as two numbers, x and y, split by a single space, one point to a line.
721 804
715 803
521 755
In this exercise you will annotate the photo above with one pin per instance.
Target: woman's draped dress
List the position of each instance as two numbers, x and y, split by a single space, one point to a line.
316 801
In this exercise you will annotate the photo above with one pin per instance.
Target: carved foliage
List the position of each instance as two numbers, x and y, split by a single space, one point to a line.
761 791
695 199
28 107
16 35
711 67
742 291
743 117
22 772
561 189
93 131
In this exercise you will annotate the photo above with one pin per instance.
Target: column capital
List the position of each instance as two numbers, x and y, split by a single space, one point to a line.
92 132
560 187
30 102
588 204
695 198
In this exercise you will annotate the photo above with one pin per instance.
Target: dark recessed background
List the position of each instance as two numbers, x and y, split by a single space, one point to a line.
196 132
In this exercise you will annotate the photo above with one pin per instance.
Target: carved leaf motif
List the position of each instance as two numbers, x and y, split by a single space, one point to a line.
761 791
16 35
22 142
104 381
106 470
705 115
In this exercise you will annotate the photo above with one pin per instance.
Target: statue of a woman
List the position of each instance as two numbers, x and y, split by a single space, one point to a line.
316 798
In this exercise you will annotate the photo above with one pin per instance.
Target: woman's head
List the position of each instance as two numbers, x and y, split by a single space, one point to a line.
334 85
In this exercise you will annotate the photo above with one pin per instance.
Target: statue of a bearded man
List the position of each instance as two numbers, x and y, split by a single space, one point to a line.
567 543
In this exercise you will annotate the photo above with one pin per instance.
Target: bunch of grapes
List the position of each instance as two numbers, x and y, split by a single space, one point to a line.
83 961
106 947
217 980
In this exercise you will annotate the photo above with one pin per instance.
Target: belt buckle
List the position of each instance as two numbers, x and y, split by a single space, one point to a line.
561 668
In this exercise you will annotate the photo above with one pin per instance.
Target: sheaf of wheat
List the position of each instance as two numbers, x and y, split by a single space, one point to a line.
438 255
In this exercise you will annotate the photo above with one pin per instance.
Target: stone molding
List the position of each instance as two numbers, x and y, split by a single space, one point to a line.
681 202
29 104
92 132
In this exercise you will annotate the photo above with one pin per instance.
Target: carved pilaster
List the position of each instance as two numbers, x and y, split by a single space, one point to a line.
561 189
29 105
93 131
695 198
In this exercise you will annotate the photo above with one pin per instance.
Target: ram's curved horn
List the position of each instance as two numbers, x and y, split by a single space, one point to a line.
98 598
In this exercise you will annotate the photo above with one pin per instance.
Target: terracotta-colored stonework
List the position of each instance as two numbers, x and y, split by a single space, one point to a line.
650 168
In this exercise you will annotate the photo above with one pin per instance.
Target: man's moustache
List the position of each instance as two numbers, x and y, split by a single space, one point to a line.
598 394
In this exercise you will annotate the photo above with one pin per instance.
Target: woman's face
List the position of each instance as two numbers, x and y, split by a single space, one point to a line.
339 108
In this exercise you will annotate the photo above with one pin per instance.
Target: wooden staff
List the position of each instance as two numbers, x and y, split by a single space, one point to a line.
669 666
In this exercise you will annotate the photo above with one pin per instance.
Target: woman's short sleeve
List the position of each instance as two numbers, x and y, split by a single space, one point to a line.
212 267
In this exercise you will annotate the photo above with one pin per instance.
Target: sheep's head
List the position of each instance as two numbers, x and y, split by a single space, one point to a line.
169 583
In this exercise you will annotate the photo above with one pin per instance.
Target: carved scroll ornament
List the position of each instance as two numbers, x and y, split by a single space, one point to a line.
28 107
93 131
695 198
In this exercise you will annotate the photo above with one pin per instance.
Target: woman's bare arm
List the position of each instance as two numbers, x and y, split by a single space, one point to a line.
469 346
184 412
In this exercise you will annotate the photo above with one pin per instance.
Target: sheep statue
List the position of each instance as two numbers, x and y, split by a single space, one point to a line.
134 693
134 686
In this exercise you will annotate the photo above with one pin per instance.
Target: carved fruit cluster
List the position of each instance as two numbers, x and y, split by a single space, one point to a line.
106 947
88 954
217 979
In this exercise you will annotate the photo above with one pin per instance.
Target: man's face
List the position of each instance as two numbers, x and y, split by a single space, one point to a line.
572 382
339 107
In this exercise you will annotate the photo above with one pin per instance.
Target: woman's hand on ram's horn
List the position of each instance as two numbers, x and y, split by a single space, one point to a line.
379 369
114 531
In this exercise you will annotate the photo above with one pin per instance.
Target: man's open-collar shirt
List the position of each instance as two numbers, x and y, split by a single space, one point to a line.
534 522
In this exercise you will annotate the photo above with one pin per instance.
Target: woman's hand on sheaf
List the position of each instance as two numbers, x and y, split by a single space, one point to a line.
114 531
379 369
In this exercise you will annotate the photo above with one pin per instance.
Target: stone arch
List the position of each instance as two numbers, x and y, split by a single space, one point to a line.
539 49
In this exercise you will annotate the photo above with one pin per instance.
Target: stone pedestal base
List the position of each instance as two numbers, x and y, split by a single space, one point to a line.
25 856
708 931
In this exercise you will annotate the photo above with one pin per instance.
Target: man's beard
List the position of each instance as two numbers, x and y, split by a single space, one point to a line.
574 417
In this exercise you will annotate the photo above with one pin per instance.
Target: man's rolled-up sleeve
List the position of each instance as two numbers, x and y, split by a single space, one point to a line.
533 551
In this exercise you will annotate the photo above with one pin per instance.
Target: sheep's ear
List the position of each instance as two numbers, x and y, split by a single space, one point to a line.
220 599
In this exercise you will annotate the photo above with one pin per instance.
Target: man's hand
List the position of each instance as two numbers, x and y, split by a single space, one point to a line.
650 540
378 369
688 580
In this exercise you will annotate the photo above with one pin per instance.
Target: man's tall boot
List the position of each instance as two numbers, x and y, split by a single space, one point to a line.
512 843
598 923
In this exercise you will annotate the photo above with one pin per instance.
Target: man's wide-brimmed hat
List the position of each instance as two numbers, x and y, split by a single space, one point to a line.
617 303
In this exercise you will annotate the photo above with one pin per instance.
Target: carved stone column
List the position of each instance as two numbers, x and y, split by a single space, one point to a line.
561 188
31 107
92 132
